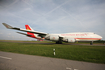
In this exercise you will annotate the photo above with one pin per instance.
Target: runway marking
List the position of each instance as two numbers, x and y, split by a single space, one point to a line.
75 69
70 68
5 57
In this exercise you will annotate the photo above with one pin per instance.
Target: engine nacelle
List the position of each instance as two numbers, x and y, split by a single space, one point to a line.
52 37
71 40
68 39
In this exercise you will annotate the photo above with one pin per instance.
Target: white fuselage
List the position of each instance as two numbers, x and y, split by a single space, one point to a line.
81 36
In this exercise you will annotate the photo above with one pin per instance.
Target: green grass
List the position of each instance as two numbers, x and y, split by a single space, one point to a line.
94 54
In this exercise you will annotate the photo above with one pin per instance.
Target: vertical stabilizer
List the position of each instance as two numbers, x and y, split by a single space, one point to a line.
29 28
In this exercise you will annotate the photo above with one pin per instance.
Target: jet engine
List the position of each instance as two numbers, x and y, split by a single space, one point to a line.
68 39
52 37
71 40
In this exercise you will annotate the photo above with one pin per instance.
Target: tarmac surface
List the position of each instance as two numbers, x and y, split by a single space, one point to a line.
94 44
13 61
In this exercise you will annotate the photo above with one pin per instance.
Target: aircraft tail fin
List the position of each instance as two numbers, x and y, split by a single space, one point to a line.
29 28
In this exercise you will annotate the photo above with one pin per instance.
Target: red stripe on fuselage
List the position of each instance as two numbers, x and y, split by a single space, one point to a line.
88 38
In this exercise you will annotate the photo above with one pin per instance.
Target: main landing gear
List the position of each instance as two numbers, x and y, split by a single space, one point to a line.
58 42
91 43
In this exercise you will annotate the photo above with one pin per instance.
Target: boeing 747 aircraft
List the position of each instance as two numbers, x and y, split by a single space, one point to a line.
58 38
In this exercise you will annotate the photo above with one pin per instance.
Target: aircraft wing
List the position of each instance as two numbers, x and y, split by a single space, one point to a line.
20 29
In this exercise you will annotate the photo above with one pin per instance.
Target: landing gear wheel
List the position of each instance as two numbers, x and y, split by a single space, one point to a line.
91 43
58 42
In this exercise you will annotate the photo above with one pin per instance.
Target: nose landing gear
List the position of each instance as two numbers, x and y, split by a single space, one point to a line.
91 43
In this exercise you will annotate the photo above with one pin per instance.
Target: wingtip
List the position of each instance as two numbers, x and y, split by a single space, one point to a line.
7 26
3 23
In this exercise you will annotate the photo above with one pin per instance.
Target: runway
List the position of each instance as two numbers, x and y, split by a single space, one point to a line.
94 44
13 61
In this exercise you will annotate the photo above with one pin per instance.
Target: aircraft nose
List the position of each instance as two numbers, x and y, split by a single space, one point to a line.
100 37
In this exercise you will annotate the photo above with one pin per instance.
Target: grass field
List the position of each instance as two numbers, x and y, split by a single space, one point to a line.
95 54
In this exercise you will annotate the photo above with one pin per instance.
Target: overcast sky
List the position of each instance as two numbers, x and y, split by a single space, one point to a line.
52 16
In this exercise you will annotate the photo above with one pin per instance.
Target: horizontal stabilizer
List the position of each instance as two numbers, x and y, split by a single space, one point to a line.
24 34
